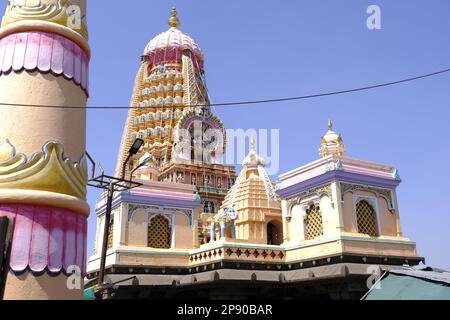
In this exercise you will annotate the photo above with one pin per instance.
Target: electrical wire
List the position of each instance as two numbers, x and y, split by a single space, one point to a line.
249 102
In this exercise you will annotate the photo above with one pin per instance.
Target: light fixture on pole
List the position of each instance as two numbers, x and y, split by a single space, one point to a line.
146 158
134 149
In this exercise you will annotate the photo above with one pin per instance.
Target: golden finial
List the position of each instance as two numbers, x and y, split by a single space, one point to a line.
330 125
252 143
174 21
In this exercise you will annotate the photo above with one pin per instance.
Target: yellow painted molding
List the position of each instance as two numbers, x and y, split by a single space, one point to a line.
44 198
48 170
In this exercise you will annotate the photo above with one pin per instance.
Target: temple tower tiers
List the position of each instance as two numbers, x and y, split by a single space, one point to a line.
44 60
171 113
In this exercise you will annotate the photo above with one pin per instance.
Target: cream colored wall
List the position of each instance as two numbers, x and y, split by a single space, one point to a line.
295 226
29 128
330 218
99 234
183 232
137 231
387 219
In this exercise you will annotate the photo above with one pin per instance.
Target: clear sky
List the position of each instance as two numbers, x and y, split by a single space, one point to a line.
269 49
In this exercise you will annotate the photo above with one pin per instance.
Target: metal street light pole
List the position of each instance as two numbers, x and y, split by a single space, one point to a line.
112 184
101 275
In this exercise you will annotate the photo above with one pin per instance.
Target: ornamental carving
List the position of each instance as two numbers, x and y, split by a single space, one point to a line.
132 208
385 193
48 170
317 191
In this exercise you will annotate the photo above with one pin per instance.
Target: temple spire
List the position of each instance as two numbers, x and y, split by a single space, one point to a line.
330 125
174 22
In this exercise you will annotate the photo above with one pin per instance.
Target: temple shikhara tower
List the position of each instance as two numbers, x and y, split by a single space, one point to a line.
196 229
170 112
44 61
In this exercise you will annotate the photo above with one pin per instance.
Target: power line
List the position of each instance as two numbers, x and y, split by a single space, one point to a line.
225 104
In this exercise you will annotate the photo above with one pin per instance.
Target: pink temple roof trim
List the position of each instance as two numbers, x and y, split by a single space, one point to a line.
46 238
46 52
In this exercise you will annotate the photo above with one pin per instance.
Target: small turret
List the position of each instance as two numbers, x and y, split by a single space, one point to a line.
331 143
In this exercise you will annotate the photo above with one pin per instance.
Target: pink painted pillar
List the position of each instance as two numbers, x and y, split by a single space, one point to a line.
44 60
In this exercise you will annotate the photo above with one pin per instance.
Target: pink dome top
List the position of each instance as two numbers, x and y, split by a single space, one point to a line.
168 47
172 38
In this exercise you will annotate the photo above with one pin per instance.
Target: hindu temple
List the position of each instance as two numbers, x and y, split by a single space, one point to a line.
197 229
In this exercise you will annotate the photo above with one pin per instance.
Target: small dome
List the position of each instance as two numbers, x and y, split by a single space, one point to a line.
169 45
331 143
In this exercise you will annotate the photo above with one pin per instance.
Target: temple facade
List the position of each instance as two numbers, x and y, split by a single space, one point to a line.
195 229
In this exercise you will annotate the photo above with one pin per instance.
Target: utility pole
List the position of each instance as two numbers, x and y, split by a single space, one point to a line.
112 185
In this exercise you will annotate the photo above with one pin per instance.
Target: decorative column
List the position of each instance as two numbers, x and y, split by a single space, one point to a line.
222 225
337 205
287 217
212 231
233 229
399 232
44 61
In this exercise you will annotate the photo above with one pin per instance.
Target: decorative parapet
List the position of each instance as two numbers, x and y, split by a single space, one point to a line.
332 168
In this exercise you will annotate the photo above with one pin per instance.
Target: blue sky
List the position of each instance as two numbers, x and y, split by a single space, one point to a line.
269 49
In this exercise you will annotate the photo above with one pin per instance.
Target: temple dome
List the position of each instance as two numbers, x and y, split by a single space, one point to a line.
331 143
172 39
169 45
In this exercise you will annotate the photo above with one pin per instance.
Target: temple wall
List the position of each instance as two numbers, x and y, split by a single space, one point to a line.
385 218
184 234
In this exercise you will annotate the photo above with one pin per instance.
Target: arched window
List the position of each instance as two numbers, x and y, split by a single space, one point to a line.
111 234
274 234
159 233
366 219
313 223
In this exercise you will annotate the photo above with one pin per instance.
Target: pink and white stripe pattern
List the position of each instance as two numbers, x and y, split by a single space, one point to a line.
46 238
43 51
